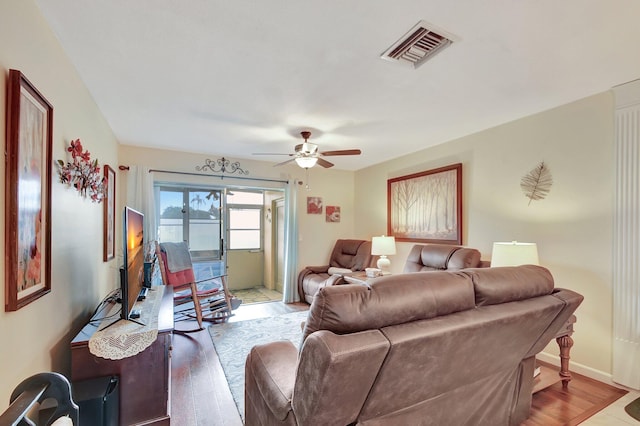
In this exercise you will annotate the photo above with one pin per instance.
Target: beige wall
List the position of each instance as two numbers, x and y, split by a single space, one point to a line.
36 338
572 226
316 236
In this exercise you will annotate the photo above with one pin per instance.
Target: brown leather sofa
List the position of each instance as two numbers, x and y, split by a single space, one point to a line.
426 348
347 256
439 257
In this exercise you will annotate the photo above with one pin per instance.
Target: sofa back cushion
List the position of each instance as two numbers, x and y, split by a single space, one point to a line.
433 257
511 283
390 300
351 254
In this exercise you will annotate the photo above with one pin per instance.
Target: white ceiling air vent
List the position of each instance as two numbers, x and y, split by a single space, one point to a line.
420 43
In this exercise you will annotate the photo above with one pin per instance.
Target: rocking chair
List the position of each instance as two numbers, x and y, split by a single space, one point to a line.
204 300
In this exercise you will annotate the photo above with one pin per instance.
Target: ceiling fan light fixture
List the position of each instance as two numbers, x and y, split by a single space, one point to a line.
306 162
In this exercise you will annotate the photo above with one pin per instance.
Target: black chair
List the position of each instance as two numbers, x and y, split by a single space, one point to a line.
34 390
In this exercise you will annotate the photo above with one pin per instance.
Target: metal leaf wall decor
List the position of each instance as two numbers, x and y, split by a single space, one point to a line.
537 183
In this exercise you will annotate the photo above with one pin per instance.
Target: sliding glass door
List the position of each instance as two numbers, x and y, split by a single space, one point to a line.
194 215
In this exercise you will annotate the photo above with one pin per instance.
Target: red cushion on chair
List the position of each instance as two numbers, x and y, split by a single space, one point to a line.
178 278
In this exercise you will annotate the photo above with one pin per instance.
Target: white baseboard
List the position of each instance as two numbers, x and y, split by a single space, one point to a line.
575 367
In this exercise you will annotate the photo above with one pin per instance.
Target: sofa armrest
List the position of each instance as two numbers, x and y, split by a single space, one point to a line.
317 269
271 368
335 374
336 279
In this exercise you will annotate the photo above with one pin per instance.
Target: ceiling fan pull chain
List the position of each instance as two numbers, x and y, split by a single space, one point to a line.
307 187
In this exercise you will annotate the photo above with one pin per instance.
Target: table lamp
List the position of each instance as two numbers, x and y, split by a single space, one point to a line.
383 246
514 254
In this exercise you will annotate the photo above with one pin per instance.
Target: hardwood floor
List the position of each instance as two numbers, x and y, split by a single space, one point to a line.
200 395
555 406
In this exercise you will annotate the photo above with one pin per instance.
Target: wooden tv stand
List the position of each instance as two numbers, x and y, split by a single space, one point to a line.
145 378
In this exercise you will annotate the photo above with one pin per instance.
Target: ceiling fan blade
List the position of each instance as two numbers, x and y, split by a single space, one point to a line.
324 163
284 162
342 152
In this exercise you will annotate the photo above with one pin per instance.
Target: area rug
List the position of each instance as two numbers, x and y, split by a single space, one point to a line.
234 340
633 409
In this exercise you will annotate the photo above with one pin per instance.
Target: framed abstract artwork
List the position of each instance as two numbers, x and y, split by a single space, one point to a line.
314 205
426 206
109 237
332 214
27 193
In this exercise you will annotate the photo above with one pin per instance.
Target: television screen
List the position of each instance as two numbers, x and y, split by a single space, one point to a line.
133 269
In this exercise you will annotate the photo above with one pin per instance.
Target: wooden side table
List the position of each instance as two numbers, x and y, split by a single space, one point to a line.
547 376
359 277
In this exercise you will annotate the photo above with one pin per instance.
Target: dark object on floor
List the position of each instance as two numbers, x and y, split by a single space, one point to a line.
98 400
633 409
36 389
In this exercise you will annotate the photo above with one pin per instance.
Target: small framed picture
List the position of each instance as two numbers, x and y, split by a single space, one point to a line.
314 205
109 238
333 214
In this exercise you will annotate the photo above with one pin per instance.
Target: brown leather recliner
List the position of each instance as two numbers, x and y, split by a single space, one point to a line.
347 256
428 348
442 257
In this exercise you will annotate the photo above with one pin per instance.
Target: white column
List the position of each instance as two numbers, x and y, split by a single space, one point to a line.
626 238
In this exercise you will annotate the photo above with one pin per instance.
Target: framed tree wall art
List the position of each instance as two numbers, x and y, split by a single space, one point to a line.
27 193
426 206
109 237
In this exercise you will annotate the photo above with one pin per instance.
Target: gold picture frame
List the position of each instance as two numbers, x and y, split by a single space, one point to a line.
27 193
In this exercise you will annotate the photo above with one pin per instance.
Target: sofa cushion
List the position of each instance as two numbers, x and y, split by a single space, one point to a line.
389 300
435 257
464 258
351 254
333 270
510 283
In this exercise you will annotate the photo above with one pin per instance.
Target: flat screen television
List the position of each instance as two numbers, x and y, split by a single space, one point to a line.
132 272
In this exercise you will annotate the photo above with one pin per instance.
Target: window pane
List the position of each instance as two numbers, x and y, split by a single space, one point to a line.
244 218
237 197
204 223
244 239
171 216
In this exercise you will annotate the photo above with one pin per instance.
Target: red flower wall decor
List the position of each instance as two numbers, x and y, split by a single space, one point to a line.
82 173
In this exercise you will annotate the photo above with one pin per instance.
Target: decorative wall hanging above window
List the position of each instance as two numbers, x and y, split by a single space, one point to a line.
82 173
537 183
222 165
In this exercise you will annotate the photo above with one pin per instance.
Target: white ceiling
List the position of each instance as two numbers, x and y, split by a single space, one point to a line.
236 77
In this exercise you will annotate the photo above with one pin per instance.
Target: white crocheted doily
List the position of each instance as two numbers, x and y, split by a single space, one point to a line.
127 338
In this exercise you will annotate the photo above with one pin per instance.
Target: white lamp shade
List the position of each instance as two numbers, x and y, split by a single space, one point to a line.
383 246
514 254
306 162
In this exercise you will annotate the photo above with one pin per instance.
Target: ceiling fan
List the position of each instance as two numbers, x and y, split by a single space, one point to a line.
307 155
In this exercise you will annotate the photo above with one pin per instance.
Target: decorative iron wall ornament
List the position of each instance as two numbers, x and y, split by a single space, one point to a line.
537 183
222 165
